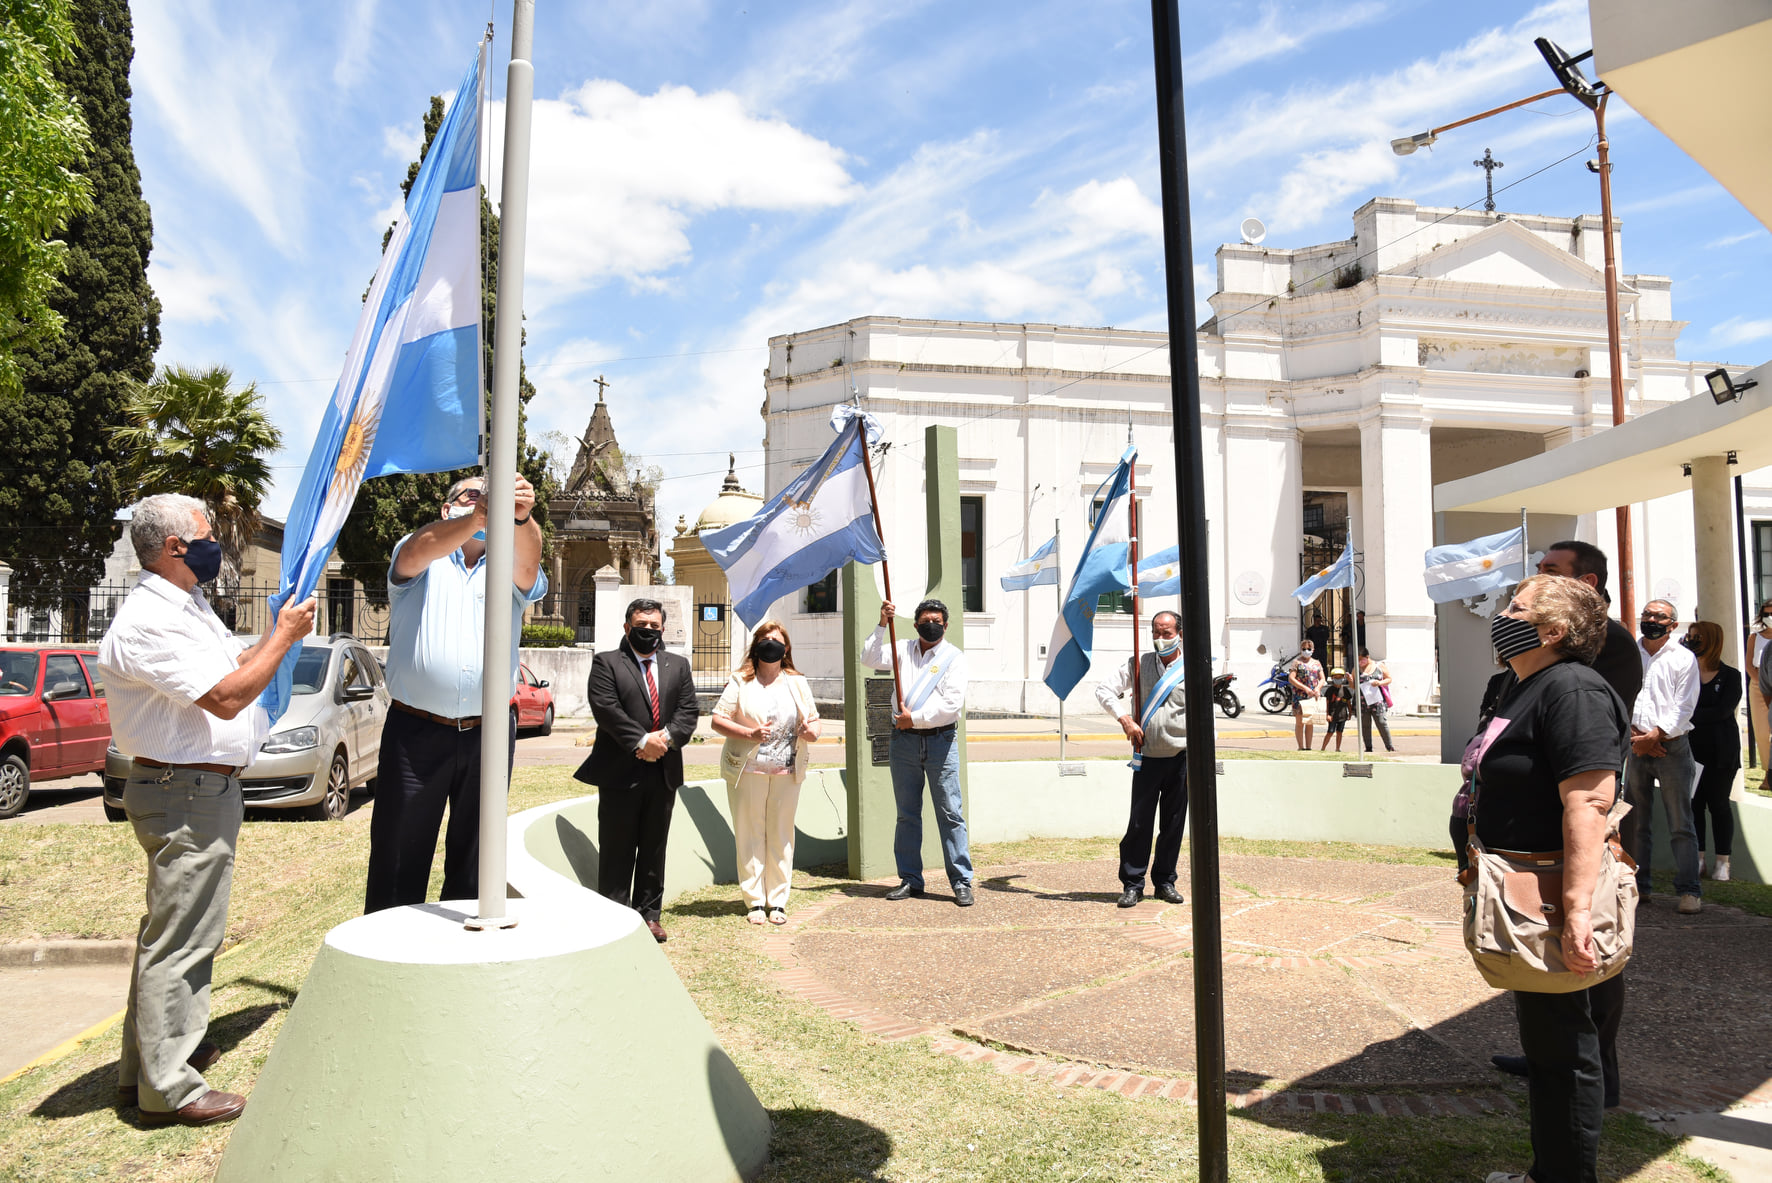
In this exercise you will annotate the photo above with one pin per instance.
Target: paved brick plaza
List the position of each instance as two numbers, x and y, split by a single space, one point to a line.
1347 987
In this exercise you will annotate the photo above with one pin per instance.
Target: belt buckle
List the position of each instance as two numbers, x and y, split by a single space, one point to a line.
462 725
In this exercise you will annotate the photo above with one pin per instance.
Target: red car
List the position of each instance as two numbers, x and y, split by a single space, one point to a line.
532 706
54 720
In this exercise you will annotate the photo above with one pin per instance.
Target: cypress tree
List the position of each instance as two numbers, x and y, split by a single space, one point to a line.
57 508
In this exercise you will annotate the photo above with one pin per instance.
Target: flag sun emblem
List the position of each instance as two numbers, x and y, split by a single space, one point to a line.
802 518
1488 563
353 455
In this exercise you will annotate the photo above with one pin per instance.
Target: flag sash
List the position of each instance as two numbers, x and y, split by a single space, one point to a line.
930 677
1172 677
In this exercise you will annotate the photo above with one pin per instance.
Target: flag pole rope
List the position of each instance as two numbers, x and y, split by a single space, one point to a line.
867 467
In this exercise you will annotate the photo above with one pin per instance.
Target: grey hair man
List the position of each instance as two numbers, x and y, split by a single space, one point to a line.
1660 761
183 695
1156 727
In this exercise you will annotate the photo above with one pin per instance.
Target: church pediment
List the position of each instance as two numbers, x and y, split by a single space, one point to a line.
1506 255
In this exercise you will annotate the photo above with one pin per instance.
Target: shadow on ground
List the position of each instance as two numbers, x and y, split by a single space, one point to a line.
814 1145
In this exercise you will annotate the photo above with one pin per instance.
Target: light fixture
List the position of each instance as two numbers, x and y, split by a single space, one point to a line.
1408 144
1723 388
1567 68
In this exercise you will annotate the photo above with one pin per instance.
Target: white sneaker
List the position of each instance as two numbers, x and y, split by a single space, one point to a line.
1690 905
1721 874
1504 1177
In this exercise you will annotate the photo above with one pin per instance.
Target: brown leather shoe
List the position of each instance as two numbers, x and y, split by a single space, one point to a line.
212 1107
202 1059
657 931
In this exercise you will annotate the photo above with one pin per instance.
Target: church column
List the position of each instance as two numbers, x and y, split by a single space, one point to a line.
1263 529
1396 481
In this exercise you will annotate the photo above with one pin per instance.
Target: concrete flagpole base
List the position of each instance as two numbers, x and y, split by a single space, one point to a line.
563 1048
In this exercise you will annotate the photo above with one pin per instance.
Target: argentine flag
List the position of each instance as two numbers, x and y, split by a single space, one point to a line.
1340 573
414 362
1037 570
823 519
1462 570
1160 574
1103 568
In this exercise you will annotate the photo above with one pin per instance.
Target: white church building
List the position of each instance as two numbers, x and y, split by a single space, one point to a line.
1339 382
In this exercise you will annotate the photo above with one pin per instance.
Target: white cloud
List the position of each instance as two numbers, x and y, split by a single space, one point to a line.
1274 34
1740 331
403 142
1733 239
357 36
1117 207
188 294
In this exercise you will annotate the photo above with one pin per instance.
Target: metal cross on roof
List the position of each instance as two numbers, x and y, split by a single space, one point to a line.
1488 164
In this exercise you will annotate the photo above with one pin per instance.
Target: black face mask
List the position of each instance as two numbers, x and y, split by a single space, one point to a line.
769 651
1652 630
203 556
1512 636
1692 643
931 630
644 639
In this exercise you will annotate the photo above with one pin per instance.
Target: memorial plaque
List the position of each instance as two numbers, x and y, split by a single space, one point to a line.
882 745
879 720
879 691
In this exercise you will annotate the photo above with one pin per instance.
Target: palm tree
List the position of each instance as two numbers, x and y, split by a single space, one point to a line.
189 431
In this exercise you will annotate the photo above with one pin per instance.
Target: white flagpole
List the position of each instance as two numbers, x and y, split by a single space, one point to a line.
501 474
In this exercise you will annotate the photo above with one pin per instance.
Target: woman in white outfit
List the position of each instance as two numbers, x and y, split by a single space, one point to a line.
769 720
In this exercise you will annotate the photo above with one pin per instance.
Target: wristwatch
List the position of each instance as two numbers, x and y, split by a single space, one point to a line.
524 520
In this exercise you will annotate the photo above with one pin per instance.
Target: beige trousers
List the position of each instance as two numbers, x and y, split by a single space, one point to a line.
763 832
1756 715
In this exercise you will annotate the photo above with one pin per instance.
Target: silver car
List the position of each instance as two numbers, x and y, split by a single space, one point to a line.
324 746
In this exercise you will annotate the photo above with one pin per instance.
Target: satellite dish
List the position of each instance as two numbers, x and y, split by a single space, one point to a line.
1253 231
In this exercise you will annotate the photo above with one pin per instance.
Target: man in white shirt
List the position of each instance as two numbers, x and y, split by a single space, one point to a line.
1661 755
184 706
925 746
1156 727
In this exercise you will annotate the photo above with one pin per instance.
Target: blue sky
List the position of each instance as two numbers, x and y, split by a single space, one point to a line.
709 174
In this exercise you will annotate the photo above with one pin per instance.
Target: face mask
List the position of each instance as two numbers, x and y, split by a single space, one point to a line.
1165 645
1652 630
203 556
1692 643
1512 636
769 651
1308 654
931 630
643 639
462 511
1766 622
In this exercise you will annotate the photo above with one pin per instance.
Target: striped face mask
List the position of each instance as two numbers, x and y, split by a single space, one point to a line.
1512 636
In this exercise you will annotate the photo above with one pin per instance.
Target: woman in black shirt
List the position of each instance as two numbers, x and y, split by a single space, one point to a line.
1716 741
1546 779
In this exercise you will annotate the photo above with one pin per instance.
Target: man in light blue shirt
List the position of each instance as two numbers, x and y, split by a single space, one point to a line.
430 745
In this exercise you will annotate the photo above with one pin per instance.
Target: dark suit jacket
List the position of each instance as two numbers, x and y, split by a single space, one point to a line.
1620 662
619 702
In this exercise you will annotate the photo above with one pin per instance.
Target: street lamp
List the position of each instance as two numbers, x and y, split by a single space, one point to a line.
1593 96
1723 388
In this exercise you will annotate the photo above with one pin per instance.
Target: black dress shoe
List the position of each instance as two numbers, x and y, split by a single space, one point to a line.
963 894
1167 893
1130 897
1515 1065
904 891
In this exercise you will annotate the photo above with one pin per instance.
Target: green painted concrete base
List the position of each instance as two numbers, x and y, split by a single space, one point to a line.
564 1049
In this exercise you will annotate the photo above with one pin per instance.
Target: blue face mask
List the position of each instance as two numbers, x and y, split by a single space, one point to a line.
204 557
462 511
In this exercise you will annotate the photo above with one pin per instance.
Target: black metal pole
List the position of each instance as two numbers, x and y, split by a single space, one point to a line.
1749 618
1196 645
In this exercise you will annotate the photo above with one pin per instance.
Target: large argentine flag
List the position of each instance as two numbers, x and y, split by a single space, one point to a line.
1037 570
1465 569
1103 568
414 361
823 519
1340 573
1160 574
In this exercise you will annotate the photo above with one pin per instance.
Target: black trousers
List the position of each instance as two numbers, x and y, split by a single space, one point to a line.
633 825
424 766
1561 1039
1714 785
1159 801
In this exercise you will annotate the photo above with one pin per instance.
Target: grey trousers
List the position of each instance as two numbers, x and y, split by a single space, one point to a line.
187 822
1670 778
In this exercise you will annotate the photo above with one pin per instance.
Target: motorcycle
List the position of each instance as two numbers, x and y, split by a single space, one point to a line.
1276 694
1225 697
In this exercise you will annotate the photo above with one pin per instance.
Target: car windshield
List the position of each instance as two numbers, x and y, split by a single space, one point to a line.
18 672
310 670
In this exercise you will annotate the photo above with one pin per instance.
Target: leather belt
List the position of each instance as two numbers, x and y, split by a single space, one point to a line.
461 724
932 730
222 769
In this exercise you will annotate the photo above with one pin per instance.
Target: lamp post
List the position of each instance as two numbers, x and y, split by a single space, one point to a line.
1572 82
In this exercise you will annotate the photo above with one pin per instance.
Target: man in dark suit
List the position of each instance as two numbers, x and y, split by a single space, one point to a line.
643 699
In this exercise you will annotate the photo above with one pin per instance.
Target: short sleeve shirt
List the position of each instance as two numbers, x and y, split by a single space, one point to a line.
1562 721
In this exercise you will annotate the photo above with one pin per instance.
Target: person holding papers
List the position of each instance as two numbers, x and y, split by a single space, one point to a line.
925 746
1158 734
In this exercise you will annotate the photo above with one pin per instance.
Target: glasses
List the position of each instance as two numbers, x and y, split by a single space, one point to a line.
470 496
1661 616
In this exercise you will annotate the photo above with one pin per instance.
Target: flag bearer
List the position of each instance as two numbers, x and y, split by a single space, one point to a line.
1159 760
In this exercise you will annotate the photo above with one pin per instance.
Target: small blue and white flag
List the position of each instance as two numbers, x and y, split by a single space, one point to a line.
1463 570
1037 570
1160 574
823 519
1340 573
1103 568
414 362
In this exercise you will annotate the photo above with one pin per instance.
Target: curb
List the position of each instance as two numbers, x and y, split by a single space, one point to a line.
44 954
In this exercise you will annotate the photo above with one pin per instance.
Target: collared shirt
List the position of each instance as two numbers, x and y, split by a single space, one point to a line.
944 702
1670 690
164 651
1167 733
437 634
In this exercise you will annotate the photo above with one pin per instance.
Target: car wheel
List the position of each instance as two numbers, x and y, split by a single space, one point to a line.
113 814
15 784
547 721
337 801
514 726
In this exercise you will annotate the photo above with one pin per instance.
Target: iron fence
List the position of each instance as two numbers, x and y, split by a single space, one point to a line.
80 615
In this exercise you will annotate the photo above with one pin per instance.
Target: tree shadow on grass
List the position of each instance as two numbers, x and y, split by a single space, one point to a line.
816 1145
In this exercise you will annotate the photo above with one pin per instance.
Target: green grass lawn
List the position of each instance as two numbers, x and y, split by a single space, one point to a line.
845 1106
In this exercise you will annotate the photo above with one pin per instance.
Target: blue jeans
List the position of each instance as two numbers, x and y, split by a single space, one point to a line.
1673 773
935 758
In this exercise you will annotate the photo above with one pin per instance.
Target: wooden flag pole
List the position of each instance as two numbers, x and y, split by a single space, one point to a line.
1132 513
867 467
